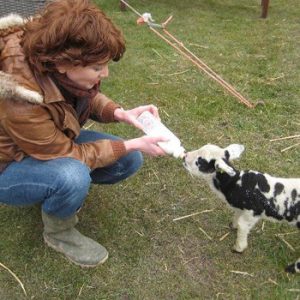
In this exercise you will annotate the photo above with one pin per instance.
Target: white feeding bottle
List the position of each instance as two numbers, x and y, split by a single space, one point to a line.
153 127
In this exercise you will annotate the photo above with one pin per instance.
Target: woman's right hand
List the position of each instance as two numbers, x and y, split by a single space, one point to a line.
146 144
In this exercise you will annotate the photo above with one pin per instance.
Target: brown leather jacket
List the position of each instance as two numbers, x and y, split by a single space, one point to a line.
35 120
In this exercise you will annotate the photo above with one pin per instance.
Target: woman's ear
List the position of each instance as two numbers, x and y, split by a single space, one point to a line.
61 68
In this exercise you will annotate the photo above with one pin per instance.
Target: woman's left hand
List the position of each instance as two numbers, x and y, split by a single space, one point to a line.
130 116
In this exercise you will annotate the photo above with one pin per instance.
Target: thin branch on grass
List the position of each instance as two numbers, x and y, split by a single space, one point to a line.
288 233
80 291
15 276
294 290
186 262
165 112
164 24
218 294
180 250
199 46
224 236
201 65
179 46
166 267
242 273
288 244
286 138
276 78
263 226
179 73
193 214
156 52
220 137
290 147
152 183
272 281
164 188
140 234
203 231
88 126
155 174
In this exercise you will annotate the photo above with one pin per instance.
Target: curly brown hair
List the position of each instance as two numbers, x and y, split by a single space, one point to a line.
73 32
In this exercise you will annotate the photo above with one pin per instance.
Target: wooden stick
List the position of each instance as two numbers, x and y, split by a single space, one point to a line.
194 59
294 290
217 77
164 24
272 281
224 236
263 226
135 11
288 244
80 291
242 273
203 231
193 214
290 147
285 138
89 126
15 276
288 233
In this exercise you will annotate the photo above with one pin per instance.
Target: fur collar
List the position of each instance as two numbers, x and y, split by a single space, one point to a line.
11 21
9 88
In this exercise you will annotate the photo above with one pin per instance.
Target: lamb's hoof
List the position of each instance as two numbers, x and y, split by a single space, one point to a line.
237 250
290 268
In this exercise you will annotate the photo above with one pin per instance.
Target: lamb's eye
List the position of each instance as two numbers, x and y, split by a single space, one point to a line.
198 161
205 166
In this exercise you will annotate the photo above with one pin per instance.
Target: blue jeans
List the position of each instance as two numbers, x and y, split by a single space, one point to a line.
61 185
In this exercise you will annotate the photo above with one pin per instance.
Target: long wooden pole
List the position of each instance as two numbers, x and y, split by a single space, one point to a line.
212 74
194 59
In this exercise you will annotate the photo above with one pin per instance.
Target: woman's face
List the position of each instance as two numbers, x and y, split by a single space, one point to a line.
86 77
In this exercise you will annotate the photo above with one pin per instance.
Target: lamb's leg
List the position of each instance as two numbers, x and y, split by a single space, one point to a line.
234 223
294 268
245 222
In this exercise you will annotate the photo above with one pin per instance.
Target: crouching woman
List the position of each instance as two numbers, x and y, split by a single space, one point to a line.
51 67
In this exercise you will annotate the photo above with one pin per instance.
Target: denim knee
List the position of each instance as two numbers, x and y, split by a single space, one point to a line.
120 170
135 161
69 190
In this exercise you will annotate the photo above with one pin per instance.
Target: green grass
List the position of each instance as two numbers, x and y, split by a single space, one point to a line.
151 256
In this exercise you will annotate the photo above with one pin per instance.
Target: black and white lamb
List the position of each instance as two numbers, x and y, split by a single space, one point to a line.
251 194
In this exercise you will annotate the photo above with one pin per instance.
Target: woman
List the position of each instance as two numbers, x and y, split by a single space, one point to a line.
51 69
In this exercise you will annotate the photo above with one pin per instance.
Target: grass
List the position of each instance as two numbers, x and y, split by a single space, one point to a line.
151 256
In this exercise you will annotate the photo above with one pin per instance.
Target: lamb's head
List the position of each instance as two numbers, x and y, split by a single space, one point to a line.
209 159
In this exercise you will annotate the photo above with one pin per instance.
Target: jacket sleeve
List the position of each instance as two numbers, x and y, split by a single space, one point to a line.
35 133
103 108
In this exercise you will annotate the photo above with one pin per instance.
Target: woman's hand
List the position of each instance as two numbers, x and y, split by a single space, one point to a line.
130 116
146 144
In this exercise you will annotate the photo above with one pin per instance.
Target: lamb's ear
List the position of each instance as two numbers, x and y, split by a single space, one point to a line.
235 151
222 166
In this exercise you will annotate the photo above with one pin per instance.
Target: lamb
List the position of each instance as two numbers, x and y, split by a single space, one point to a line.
251 194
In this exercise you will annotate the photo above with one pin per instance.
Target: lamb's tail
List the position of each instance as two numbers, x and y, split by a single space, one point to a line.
294 268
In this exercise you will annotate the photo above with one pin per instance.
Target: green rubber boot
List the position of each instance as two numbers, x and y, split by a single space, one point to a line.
61 235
